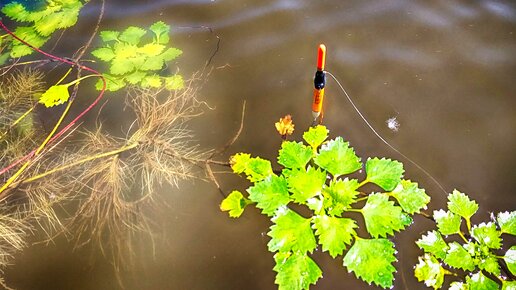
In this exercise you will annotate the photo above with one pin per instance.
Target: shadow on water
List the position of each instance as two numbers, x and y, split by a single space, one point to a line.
445 69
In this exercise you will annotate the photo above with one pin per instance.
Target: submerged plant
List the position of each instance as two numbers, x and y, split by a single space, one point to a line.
477 253
135 64
41 24
316 176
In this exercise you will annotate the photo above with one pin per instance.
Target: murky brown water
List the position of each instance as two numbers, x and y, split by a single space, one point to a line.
445 69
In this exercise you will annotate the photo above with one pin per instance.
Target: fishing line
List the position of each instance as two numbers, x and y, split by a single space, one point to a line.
380 137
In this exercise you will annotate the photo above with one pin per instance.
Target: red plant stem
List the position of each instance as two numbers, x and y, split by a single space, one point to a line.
67 127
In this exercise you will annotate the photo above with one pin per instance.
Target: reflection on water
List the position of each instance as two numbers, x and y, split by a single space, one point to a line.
446 69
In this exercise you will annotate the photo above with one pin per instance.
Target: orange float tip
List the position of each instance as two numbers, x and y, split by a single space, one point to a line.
321 57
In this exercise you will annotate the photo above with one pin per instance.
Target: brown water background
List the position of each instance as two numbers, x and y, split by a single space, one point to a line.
445 69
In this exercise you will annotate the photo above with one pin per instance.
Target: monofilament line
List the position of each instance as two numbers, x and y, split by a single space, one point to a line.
380 137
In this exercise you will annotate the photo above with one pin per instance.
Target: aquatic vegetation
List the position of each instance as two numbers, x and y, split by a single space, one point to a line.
130 63
317 177
477 253
42 23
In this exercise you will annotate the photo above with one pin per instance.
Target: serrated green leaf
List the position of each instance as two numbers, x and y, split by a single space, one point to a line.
411 198
433 243
151 81
338 158
507 222
108 35
16 11
170 54
235 203
135 77
258 169
339 195
121 66
458 257
385 173
510 259
371 260
132 35
64 18
104 53
55 95
296 272
152 64
490 265
382 217
448 223
509 285
334 233
29 35
479 281
124 51
460 204
458 286
174 82
239 162
487 234
294 154
305 184
270 194
113 83
151 49
430 270
291 232
315 136
161 31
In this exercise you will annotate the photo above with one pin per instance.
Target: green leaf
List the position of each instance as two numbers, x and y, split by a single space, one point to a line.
113 83
64 18
258 169
385 173
490 265
121 66
29 35
239 162
55 95
170 54
487 234
510 259
458 257
315 136
479 281
104 53
382 217
255 168
507 222
411 198
509 285
297 271
338 158
132 35
161 30
135 77
16 11
174 82
305 184
235 203
291 232
433 243
294 154
107 35
458 286
334 233
460 204
340 195
448 223
152 81
270 194
151 49
152 64
371 260
430 270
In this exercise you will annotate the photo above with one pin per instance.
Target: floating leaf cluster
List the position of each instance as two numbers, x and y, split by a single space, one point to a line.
477 254
135 63
41 24
313 176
